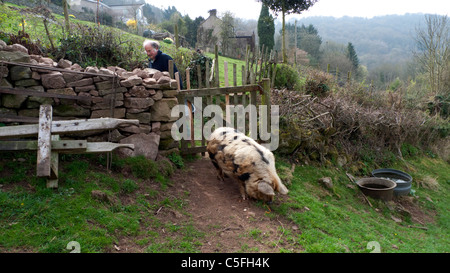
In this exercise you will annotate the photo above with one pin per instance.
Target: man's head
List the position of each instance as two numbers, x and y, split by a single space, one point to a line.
151 47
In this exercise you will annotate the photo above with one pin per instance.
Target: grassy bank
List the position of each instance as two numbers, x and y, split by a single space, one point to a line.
340 220
36 219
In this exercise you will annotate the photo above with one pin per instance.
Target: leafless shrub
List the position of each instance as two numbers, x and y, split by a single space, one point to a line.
344 123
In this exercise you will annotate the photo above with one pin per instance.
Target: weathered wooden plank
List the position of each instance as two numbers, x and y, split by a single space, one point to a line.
44 141
31 145
65 146
66 126
52 182
221 90
103 147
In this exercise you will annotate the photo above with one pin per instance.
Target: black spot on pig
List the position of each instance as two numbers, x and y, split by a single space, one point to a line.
262 155
244 177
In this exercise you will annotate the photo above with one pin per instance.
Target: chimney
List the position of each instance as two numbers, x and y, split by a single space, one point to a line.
213 12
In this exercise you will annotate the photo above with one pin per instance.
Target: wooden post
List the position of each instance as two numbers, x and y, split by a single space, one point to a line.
227 96
52 181
177 77
216 53
199 76
188 78
177 39
171 69
265 100
189 104
44 141
243 75
247 57
274 72
207 74
234 75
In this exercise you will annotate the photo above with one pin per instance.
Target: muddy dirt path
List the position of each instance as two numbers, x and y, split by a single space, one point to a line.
231 224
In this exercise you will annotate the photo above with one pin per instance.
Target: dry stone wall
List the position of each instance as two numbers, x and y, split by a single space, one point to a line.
147 95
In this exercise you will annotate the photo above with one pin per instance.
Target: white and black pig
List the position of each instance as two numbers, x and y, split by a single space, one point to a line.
252 165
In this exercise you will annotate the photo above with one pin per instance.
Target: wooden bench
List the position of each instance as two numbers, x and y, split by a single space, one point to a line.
49 145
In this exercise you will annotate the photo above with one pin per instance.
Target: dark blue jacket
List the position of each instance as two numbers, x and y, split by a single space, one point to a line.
161 63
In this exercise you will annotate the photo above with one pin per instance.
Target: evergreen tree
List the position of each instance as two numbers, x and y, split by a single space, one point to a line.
287 7
266 28
351 55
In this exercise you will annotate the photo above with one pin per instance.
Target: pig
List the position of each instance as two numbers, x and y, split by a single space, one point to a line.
235 155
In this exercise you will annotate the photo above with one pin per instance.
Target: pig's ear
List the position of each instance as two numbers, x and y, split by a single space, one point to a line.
265 188
282 188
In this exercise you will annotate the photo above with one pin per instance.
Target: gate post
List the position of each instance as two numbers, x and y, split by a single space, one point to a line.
265 100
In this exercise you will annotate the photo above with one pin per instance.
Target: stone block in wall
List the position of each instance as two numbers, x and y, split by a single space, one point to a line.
35 75
29 112
35 102
74 110
148 81
144 74
161 110
139 91
105 102
156 126
72 77
85 102
118 113
15 56
103 92
82 82
53 80
106 85
62 63
5 83
163 80
26 83
116 136
136 110
144 144
131 81
143 117
139 103
86 88
4 71
20 73
91 69
169 93
157 75
13 101
7 111
62 91
166 134
168 143
106 72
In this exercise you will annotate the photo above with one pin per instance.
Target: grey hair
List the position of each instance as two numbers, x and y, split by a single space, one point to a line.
154 44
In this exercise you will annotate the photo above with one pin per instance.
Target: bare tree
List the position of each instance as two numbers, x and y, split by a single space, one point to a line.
433 42
227 32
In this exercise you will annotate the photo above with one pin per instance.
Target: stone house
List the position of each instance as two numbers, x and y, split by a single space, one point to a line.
208 35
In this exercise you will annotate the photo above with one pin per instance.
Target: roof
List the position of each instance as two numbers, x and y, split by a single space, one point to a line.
113 3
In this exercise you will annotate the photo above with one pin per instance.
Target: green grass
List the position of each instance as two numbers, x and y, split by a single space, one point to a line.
230 62
339 220
34 218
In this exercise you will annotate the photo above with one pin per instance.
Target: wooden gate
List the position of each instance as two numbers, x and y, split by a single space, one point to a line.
253 95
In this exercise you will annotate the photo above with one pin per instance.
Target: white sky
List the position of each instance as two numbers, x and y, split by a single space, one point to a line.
250 9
